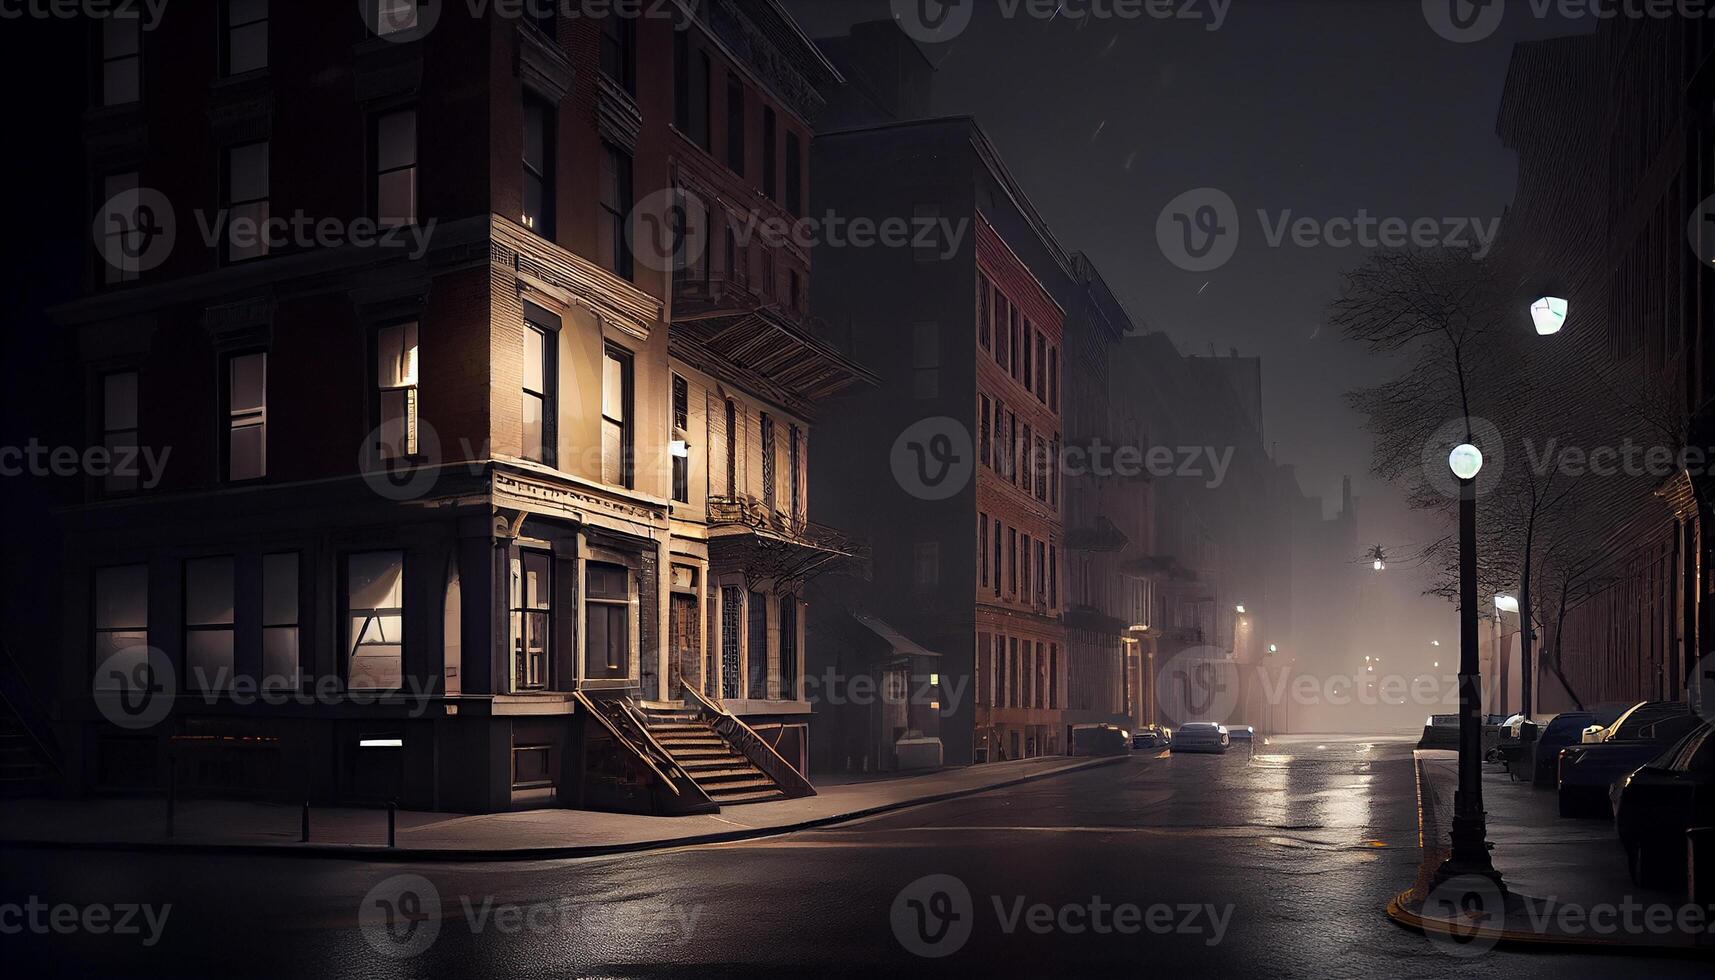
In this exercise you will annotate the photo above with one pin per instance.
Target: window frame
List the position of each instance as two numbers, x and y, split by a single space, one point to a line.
114 483
530 671
615 213
232 204
378 173
348 651
545 323
536 108
237 420
228 28
628 404
189 628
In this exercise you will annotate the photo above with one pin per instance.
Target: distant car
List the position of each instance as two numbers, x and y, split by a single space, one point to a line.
1241 733
1656 804
1091 740
1587 771
1562 730
1201 736
1153 737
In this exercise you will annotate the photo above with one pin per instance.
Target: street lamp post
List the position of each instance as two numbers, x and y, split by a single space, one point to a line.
1470 851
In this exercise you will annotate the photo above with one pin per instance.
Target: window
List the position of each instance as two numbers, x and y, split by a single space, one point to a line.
280 620
926 564
795 466
396 389
616 201
1012 671
1054 472
616 437
121 618
1012 447
788 648
1026 463
375 620
682 81
395 154
545 18
732 608
983 333
998 698
1053 675
795 289
1014 343
538 213
208 623
1054 578
1027 375
119 429
1041 573
770 154
1001 347
246 183
983 548
756 649
997 557
1054 378
121 59
701 70
731 449
1025 592
794 173
607 621
247 416
1012 561
767 443
126 237
619 49
1041 368
983 439
531 607
735 123
540 386
244 41
680 450
1039 465
926 360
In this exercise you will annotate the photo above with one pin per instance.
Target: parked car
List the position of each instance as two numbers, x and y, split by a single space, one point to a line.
1656 804
1152 737
1201 736
1587 771
1100 740
1241 733
1562 730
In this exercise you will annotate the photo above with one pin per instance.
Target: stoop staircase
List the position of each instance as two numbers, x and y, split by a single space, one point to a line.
718 768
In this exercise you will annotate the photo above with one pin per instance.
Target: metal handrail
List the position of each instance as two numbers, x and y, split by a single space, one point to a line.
27 708
587 704
774 765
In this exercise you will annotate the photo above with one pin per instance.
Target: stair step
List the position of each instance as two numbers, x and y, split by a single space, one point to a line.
675 726
740 798
711 752
724 774
671 742
694 766
754 783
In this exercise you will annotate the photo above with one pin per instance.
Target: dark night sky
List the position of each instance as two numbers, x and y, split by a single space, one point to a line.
1323 107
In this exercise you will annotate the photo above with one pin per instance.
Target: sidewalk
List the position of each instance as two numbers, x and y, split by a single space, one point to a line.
361 834
1567 881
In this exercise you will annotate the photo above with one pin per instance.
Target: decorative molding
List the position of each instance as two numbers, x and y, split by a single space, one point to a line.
248 322
384 69
379 300
541 66
617 114
529 257
241 110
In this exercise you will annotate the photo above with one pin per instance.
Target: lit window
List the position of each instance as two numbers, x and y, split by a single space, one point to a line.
539 385
375 620
532 609
607 620
247 417
616 443
121 618
396 389
280 620
538 168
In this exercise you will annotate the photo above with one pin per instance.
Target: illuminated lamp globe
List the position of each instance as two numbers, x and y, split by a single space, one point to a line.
1549 315
1465 461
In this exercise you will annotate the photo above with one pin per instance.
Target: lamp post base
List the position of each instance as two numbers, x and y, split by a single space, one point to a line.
1470 852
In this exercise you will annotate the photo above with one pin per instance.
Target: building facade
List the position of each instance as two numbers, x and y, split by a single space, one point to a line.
455 512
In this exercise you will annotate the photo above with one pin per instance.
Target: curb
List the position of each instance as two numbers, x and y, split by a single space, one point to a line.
379 852
1402 916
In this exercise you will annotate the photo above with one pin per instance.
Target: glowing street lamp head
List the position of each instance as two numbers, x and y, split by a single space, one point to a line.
1549 315
1506 603
1379 564
1466 461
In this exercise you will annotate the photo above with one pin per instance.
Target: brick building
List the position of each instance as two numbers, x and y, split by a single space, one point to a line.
506 508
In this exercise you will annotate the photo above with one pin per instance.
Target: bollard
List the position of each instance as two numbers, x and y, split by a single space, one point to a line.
304 826
392 820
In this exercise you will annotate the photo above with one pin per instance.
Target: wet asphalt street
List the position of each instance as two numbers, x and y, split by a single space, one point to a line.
1271 861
